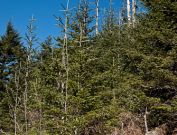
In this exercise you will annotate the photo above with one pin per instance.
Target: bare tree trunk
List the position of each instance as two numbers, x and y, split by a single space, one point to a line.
63 84
25 103
38 99
16 102
17 80
15 121
128 12
30 38
66 45
134 12
40 121
110 15
26 92
64 66
80 27
81 35
122 128
113 90
145 121
97 17
13 112
120 19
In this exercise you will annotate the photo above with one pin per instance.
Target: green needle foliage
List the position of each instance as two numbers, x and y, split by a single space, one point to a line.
11 54
106 83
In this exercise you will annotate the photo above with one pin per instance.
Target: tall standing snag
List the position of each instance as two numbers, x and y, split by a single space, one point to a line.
64 82
97 17
133 12
128 12
30 39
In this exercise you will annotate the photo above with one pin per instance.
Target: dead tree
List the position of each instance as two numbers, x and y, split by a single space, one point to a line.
133 12
66 54
38 97
30 39
17 80
145 121
128 12
65 63
97 17
110 18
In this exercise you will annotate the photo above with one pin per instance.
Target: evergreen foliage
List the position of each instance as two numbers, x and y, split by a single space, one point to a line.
11 53
92 85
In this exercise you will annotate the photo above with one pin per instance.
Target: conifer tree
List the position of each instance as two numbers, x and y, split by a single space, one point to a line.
153 59
93 84
81 28
110 20
11 54
47 49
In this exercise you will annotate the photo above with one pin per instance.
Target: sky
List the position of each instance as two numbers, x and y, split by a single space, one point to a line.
20 11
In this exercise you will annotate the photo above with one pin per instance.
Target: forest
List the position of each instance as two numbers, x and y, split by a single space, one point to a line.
117 76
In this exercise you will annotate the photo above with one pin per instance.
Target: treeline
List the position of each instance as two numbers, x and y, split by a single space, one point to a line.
118 78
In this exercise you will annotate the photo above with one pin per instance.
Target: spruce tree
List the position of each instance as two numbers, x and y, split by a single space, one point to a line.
11 54
152 57
81 27
11 51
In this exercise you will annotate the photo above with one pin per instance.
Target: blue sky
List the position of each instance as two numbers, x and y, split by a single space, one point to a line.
20 11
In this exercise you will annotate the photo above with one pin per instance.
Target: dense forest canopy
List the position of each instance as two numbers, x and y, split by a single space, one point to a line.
118 77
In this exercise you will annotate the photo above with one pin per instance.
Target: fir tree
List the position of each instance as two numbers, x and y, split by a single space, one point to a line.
81 28
153 59
11 54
